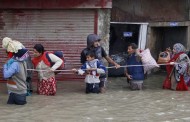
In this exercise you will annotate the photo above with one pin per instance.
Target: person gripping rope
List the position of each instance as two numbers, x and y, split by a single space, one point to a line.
47 82
93 45
92 68
16 49
135 75
178 74
15 71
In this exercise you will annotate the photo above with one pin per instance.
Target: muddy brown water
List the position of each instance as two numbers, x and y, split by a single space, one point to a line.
118 104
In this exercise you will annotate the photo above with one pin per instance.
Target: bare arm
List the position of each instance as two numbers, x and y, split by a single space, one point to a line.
112 62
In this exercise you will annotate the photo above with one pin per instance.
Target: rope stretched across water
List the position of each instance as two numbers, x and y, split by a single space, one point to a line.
172 63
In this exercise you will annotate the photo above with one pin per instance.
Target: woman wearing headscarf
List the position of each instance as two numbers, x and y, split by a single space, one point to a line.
178 70
17 49
47 83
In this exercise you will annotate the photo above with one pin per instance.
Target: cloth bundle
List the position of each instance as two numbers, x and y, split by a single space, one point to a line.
11 45
148 61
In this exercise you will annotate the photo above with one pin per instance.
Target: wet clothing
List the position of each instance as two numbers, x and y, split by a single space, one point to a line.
20 53
15 71
17 49
47 86
29 75
16 77
99 54
136 84
103 81
47 83
18 99
137 72
92 77
92 88
177 74
29 66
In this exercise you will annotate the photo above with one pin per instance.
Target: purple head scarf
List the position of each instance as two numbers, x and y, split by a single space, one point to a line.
178 47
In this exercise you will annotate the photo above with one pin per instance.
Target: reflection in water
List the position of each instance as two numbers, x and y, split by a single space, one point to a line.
118 104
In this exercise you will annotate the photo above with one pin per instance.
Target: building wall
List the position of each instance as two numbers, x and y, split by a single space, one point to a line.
58 25
153 35
188 37
64 30
150 10
159 14
161 35
54 4
104 27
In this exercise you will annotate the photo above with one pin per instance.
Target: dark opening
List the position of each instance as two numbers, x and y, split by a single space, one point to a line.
121 35
164 37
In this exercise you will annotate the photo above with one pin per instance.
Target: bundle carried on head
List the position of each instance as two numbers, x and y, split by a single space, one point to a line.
11 45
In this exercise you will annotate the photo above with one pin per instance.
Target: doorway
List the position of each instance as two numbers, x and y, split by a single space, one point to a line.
164 37
121 35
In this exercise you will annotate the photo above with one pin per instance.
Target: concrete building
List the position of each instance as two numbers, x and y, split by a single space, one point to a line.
57 24
154 24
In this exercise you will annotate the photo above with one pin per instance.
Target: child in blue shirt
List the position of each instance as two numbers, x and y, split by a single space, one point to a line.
92 68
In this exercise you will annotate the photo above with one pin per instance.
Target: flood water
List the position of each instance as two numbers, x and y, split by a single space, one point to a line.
118 104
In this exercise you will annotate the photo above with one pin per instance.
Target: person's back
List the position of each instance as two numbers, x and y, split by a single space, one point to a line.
25 53
15 71
17 82
16 48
